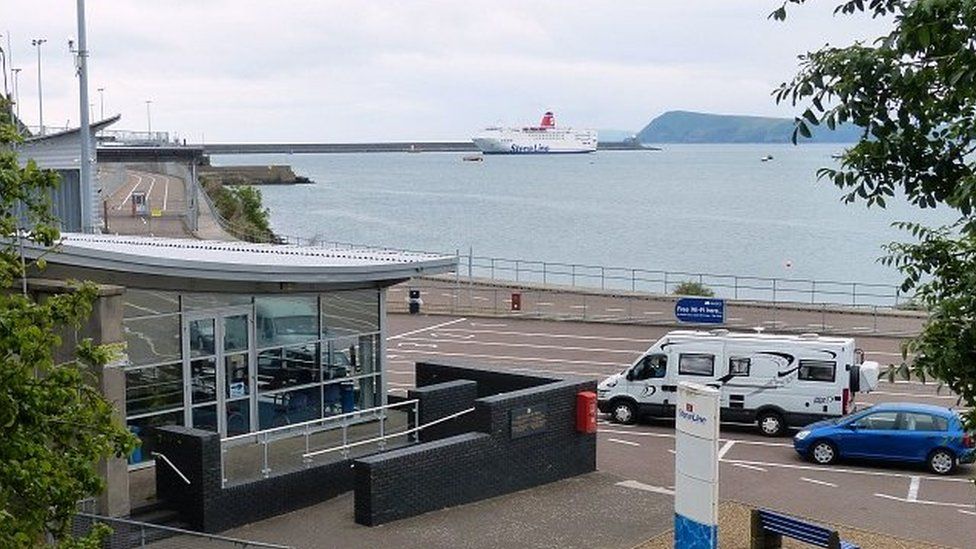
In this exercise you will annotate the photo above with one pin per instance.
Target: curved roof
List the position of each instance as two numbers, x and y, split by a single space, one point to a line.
239 261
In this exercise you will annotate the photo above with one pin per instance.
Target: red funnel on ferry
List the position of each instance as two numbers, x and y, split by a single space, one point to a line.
548 120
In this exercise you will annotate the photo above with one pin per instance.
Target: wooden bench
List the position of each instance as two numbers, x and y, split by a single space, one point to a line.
768 529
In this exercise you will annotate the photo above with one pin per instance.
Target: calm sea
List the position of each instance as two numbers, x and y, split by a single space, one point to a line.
699 208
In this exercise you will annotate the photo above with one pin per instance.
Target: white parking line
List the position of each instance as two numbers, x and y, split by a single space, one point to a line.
646 487
395 384
412 344
725 449
627 442
557 372
166 194
843 470
820 482
653 313
427 329
917 395
538 346
642 341
519 358
670 435
484 325
544 304
750 467
965 512
913 489
614 310
451 336
925 502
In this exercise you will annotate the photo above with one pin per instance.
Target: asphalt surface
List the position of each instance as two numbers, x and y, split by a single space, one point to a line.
907 502
485 297
166 195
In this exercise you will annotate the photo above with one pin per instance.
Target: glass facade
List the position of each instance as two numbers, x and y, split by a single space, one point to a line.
236 363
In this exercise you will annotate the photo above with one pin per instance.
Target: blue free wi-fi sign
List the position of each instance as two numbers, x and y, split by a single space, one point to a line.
699 310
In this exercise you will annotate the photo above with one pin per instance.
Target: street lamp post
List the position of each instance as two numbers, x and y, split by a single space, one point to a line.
149 118
16 74
40 94
101 100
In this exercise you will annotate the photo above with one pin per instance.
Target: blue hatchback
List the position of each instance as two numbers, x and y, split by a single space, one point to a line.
901 432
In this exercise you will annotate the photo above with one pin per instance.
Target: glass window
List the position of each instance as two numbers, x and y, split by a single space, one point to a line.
153 389
695 364
205 417
286 320
369 393
651 366
350 312
235 333
739 366
288 367
238 417
924 422
340 358
817 370
152 340
880 421
205 300
236 375
202 337
203 380
149 303
369 350
290 407
143 428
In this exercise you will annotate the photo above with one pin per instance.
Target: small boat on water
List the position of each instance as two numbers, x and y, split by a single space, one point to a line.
766 158
473 158
414 149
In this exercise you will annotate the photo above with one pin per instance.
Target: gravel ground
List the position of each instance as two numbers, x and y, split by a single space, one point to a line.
733 519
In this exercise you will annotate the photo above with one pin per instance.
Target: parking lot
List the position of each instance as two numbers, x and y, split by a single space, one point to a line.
907 502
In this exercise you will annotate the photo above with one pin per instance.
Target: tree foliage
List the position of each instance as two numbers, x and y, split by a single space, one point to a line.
913 93
54 424
690 287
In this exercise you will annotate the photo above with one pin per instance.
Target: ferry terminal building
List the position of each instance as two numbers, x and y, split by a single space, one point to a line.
232 337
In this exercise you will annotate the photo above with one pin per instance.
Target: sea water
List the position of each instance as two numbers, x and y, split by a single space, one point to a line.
696 208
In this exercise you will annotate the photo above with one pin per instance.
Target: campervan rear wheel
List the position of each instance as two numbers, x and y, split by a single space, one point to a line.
771 423
624 411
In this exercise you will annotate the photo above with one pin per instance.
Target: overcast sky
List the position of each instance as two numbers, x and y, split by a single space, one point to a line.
247 70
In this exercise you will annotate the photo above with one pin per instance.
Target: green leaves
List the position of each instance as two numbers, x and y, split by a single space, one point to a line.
54 424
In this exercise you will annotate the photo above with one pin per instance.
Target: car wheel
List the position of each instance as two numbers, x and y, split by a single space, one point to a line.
771 424
624 411
823 452
942 462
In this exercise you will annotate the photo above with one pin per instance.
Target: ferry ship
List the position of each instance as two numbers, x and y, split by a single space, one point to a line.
545 138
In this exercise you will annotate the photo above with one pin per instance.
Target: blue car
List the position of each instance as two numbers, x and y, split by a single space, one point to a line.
899 432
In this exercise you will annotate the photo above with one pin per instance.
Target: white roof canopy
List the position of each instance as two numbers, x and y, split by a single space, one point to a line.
240 261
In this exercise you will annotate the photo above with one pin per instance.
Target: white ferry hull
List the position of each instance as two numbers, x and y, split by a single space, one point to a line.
545 138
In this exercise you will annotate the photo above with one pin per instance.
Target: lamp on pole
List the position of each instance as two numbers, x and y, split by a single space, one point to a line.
16 74
149 118
101 101
40 94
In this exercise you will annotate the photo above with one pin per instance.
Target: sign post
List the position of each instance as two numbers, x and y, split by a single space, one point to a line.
700 310
696 467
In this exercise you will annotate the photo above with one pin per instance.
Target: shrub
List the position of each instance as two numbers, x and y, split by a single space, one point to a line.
689 287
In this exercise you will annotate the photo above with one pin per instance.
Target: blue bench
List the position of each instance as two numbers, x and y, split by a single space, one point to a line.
768 529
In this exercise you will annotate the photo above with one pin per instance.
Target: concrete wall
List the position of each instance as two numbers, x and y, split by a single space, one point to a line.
494 459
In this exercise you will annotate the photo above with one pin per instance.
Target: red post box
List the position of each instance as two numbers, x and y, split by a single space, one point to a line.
516 301
586 412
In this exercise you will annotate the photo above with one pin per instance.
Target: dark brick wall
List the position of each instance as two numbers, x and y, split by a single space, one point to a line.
208 507
484 463
441 400
490 382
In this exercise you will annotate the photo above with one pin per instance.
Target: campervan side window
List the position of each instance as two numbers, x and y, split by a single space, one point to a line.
694 364
817 370
651 366
739 366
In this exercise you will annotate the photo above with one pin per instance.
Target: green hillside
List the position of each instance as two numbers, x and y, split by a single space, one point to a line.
696 127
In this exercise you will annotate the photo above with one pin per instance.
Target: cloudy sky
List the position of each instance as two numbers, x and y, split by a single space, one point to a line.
315 70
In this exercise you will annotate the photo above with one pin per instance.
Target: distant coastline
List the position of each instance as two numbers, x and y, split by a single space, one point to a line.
697 127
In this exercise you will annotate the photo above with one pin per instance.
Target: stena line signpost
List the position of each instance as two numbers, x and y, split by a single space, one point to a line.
696 467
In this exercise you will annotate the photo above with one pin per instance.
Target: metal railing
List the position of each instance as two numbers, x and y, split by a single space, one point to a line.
444 296
656 281
132 533
284 449
344 448
171 465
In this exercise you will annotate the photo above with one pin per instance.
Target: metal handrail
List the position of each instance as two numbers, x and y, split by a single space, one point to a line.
184 532
346 447
170 463
297 426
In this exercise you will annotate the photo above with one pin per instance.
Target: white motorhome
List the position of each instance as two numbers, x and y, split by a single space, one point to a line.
776 381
